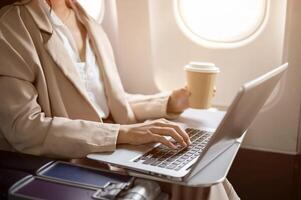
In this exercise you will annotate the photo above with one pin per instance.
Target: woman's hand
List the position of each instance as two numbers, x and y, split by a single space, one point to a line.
178 101
153 131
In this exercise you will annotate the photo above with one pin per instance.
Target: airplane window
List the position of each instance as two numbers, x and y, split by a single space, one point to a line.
219 22
95 8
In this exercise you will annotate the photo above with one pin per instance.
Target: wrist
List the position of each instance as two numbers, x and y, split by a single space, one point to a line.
169 107
121 138
172 106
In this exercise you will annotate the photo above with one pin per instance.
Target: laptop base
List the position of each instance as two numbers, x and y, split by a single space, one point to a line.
214 173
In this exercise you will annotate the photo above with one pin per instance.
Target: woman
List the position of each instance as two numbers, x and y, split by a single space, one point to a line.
61 93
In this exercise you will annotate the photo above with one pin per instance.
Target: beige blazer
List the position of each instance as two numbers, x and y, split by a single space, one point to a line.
44 109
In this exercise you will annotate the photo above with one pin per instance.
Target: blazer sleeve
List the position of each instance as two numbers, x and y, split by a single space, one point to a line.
25 126
151 106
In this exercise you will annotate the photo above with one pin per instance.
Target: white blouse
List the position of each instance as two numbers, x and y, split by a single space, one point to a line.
88 71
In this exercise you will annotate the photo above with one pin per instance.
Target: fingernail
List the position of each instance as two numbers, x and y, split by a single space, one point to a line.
173 146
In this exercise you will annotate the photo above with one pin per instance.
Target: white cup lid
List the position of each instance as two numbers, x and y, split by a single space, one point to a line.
203 67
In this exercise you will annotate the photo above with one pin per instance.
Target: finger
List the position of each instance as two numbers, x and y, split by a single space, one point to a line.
163 140
186 90
182 132
188 93
178 129
169 132
182 91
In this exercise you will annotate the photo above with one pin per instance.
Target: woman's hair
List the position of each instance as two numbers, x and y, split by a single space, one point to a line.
50 4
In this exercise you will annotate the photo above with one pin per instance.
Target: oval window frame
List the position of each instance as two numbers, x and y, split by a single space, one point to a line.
211 44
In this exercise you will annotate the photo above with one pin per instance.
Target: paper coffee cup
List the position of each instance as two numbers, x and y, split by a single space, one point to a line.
200 82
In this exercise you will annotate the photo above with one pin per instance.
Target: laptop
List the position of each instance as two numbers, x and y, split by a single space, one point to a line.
207 144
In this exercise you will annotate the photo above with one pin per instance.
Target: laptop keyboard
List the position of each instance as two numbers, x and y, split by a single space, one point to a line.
176 159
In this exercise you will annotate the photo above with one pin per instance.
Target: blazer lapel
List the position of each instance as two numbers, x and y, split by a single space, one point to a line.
62 59
116 97
55 48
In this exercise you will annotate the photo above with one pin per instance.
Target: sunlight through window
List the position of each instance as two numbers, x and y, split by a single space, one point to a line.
222 21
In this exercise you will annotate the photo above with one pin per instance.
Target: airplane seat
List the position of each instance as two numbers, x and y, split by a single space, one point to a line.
6 2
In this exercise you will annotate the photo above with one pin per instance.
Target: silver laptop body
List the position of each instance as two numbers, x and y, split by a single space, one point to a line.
241 113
